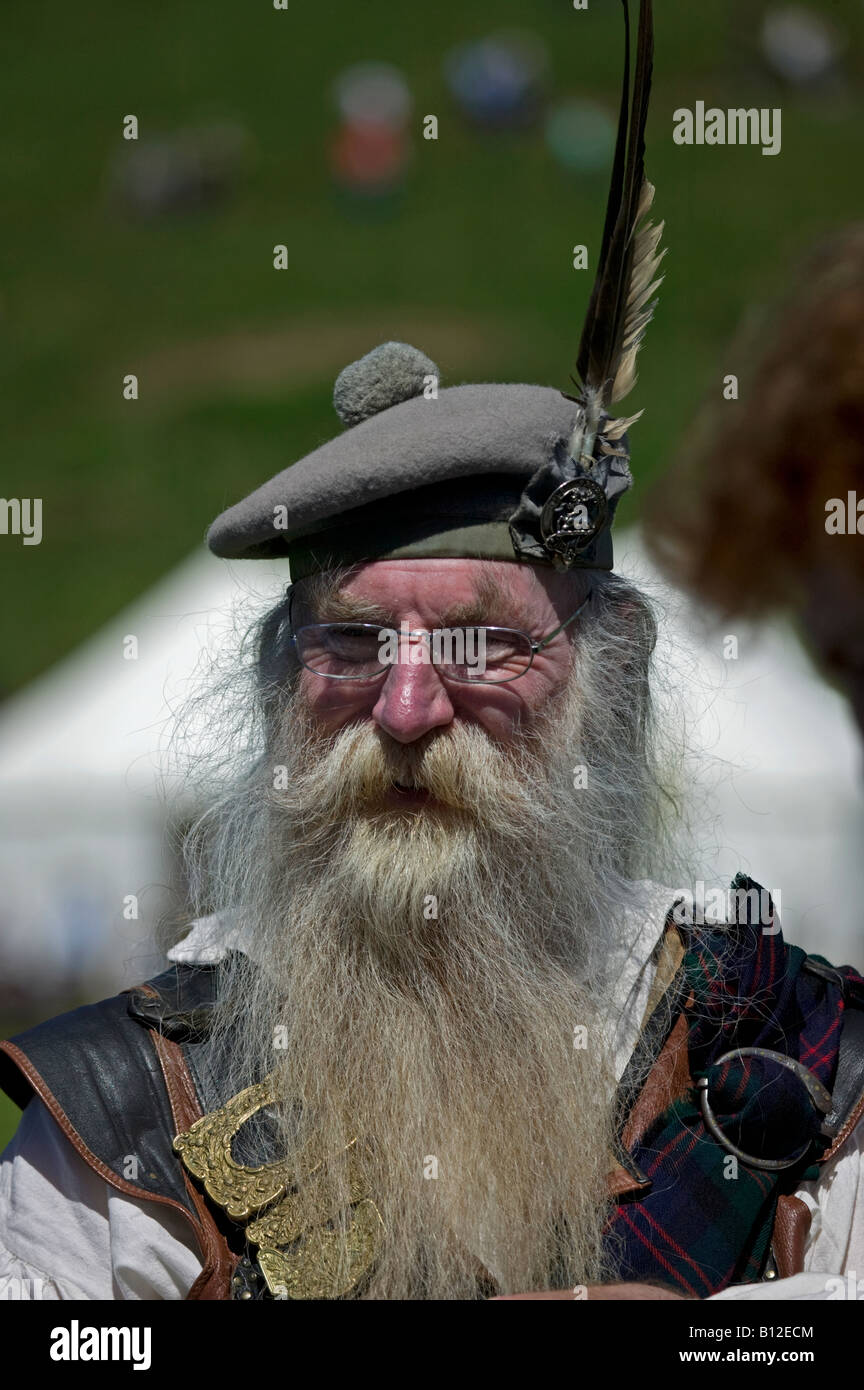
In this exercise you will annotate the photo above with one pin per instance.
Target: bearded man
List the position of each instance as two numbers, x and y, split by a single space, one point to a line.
435 1031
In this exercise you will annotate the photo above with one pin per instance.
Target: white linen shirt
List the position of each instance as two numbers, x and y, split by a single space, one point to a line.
66 1233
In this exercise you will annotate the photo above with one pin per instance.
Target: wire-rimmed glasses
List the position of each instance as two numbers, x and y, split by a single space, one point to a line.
476 654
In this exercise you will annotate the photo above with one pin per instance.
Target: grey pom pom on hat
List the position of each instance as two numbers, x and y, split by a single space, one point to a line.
390 373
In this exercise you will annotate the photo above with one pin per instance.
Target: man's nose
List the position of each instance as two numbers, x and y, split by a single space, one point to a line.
413 700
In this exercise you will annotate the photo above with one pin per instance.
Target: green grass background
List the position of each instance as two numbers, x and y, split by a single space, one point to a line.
9 1117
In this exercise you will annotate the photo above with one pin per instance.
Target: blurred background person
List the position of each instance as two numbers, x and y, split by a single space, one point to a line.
763 512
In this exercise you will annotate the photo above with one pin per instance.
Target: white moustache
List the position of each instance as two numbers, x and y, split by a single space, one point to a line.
463 770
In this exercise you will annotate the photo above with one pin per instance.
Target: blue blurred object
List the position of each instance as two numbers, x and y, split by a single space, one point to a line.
581 136
498 81
799 45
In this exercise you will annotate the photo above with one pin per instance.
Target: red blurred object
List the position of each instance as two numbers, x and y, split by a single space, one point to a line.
369 156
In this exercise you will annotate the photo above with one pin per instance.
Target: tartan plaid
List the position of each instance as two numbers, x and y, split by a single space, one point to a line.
696 1228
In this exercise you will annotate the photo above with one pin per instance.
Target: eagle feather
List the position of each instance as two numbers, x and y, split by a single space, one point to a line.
623 299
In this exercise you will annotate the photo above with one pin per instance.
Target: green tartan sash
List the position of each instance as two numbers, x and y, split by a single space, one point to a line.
706 1220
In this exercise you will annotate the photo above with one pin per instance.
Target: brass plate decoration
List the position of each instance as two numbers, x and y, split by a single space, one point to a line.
206 1151
312 1271
295 1263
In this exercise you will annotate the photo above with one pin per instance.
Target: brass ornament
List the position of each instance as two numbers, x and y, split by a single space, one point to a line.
310 1266
312 1270
206 1151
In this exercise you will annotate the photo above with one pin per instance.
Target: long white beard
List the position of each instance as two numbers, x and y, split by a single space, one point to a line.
426 973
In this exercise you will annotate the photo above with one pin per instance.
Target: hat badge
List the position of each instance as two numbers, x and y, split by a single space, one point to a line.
572 516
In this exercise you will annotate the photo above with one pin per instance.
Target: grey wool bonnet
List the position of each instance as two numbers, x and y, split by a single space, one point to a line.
422 472
497 471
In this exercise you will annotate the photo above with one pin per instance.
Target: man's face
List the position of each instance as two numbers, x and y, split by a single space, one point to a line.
412 699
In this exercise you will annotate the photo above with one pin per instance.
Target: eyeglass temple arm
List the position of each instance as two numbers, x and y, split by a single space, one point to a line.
538 646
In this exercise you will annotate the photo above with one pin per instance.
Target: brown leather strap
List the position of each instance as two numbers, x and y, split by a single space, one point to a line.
855 1116
668 1080
214 1281
669 1077
791 1226
668 955
620 1183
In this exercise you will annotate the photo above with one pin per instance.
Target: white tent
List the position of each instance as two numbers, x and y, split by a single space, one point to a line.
86 781
780 762
84 774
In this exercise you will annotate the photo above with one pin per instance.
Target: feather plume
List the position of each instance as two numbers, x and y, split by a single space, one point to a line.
622 301
613 429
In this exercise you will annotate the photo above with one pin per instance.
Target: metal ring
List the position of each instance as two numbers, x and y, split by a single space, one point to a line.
816 1092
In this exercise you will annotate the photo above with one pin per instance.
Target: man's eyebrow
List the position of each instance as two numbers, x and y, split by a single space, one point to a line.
490 603
487 604
473 613
350 608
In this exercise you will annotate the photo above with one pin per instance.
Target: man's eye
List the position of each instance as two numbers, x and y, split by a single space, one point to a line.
499 645
349 641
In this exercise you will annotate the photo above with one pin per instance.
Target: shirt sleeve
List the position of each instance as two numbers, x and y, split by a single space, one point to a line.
65 1233
835 1244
